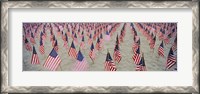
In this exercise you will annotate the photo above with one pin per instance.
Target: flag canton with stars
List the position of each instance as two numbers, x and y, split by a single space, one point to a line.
80 56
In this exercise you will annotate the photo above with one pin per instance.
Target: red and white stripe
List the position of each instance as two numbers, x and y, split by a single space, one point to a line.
32 40
140 68
35 59
117 56
98 46
52 63
170 61
42 49
92 54
135 47
65 45
136 58
28 47
81 66
174 47
72 52
161 51
82 45
152 45
110 66
89 41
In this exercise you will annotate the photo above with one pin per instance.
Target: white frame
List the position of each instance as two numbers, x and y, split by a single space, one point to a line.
99 4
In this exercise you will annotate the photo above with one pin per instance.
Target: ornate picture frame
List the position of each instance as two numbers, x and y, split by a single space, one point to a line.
6 5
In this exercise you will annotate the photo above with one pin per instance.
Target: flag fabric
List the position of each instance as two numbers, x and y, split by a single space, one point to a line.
161 34
42 51
135 46
171 59
161 50
56 46
27 45
121 37
32 38
166 39
66 41
174 46
90 39
72 51
35 59
75 39
92 52
82 45
101 38
136 43
152 43
81 63
53 40
98 45
117 55
42 36
53 61
137 57
51 35
141 66
107 36
117 40
109 64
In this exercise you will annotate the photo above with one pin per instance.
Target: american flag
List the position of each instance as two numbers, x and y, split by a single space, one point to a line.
82 34
42 36
53 40
68 32
174 46
72 51
28 33
137 57
98 44
117 55
107 36
152 43
63 36
75 39
161 34
79 32
82 45
121 37
56 46
141 66
66 41
161 50
53 61
32 38
174 32
171 59
42 51
27 45
135 46
35 59
94 37
51 35
92 52
101 38
81 63
166 39
109 64
90 39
